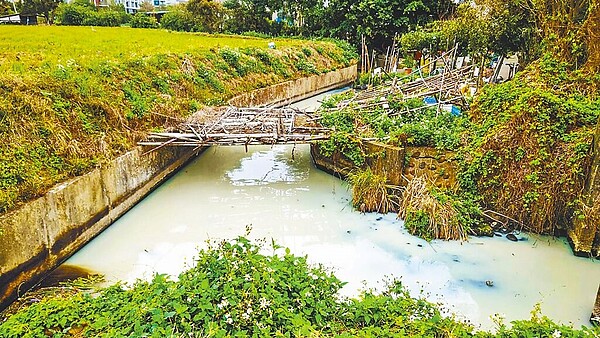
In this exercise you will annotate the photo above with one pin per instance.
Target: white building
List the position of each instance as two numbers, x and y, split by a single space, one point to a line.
132 6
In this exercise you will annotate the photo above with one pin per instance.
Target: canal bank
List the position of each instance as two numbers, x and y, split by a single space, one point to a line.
41 234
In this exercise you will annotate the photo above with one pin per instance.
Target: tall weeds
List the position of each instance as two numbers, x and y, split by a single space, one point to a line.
370 192
425 215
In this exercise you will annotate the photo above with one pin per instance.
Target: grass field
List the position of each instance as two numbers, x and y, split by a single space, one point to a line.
35 45
74 97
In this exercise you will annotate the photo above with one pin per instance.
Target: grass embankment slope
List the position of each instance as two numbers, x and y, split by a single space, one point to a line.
74 97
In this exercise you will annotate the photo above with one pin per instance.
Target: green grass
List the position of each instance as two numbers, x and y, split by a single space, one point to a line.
35 45
72 98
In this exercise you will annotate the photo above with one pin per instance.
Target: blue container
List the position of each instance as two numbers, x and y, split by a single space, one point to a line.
430 100
455 111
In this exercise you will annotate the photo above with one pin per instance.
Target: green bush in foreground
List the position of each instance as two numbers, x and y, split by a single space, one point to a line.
236 290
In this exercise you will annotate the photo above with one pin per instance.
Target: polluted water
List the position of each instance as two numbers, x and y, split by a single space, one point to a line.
278 191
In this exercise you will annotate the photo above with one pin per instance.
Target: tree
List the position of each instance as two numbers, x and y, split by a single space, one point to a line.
248 16
83 3
306 15
208 14
72 14
569 28
5 7
178 19
380 20
41 7
146 6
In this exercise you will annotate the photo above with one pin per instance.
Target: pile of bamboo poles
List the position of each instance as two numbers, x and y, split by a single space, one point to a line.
243 126
446 87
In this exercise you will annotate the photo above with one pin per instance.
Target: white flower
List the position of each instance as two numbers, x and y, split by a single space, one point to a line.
228 319
556 334
247 278
245 316
222 304
264 303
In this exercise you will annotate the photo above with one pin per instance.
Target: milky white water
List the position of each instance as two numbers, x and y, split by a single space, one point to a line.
284 197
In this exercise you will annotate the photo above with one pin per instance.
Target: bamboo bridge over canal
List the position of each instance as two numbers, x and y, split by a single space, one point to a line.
244 126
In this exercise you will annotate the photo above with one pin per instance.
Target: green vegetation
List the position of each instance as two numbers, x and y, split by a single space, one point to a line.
83 13
235 290
406 122
68 103
528 150
370 192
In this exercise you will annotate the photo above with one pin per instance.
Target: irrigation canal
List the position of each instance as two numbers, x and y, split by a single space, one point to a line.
283 196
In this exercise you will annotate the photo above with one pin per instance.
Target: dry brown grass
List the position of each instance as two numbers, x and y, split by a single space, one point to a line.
442 217
370 192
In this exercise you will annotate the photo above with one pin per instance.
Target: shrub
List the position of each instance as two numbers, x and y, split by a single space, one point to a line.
141 20
79 15
72 15
178 20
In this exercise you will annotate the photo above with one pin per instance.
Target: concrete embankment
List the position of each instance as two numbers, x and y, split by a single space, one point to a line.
41 234
398 164
296 90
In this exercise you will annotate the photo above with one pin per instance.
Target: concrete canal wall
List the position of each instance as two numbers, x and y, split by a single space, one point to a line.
398 164
43 233
296 90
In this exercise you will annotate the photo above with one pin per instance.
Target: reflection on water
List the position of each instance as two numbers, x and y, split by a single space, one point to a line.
305 209
264 167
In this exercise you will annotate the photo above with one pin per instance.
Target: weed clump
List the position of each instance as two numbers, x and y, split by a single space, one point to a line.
430 215
370 192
